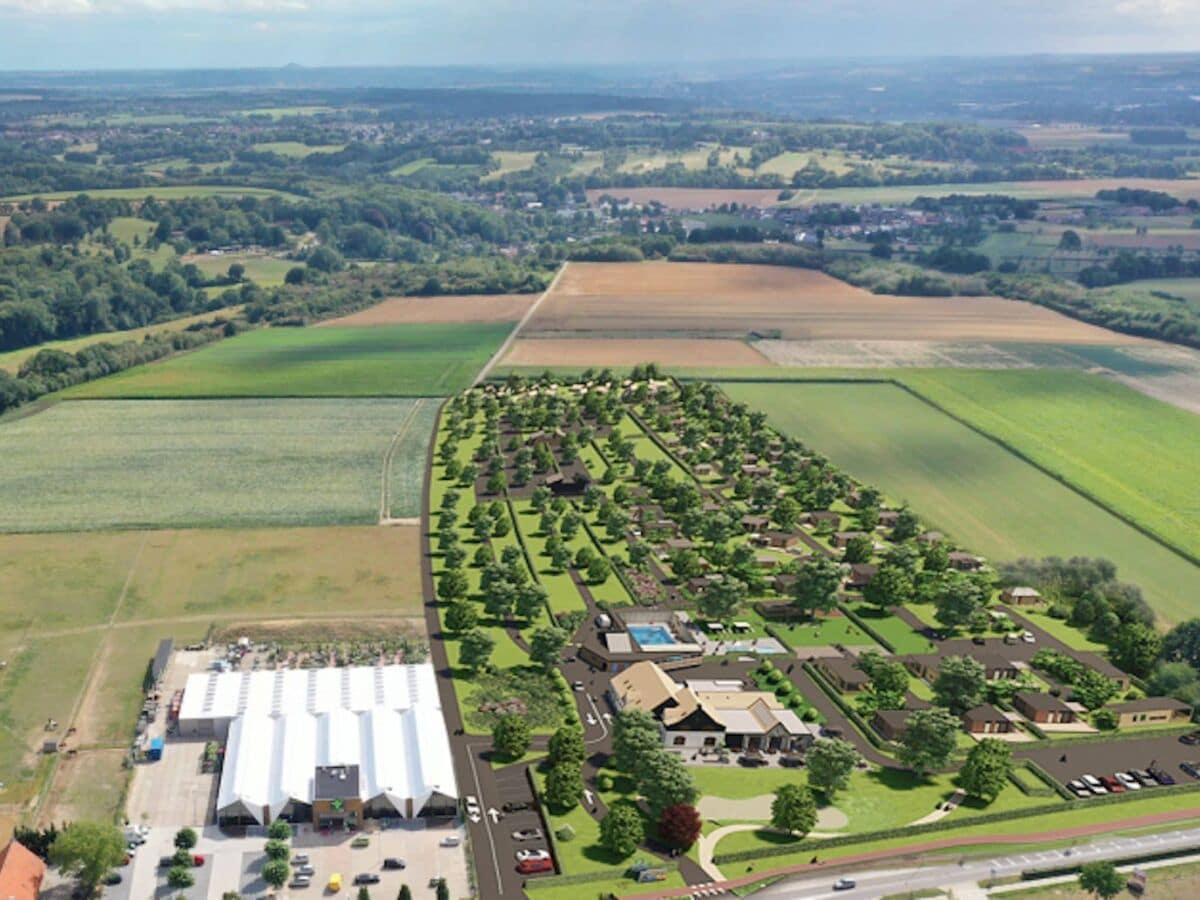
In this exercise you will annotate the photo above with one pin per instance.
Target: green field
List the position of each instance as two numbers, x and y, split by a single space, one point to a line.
162 192
297 150
509 160
380 361
268 271
129 464
1135 454
1049 190
966 485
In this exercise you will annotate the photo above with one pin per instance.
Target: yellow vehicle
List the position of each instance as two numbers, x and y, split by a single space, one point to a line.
335 883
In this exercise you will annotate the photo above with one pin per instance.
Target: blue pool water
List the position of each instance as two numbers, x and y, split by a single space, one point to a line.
652 635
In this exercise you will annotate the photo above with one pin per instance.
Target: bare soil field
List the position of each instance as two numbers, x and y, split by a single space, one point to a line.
691 198
450 308
705 299
608 352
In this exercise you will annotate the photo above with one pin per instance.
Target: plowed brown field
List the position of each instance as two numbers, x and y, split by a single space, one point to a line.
607 352
683 300
454 308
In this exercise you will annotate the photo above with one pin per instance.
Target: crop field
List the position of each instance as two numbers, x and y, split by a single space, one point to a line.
966 485
132 464
451 308
582 352
429 360
297 150
12 359
1135 454
701 299
511 161
267 271
164 192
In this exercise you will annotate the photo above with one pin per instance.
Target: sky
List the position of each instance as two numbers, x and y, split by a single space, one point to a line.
125 34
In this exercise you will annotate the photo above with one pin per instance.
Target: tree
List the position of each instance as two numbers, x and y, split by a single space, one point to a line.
721 599
958 598
929 739
830 762
858 549
452 584
622 830
817 583
405 893
279 830
985 773
959 684
891 586
277 849
1182 643
496 482
88 851
566 744
1070 240
1135 648
1092 689
564 785
475 649
363 893
276 872
635 737
786 513
461 616
664 781
685 564
185 838
794 809
443 890
598 569
1101 879
531 600
545 645
889 677
680 825
510 736
181 877
907 525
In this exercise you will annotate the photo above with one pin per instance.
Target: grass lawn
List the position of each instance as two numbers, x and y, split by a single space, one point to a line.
429 360
893 629
11 360
267 271
564 596
87 466
966 485
821 632
1134 453
1068 634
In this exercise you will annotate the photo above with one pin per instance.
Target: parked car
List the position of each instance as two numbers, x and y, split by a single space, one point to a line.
300 881
393 862
1144 777
1094 784
451 840
845 884
1130 783
516 806
523 855
577 685
978 640
1028 637
366 878
791 762
305 869
1191 768
1112 784
166 862
1191 739
1162 777
533 866
112 878
527 834
751 762
300 859
335 883
472 807
197 860
1079 789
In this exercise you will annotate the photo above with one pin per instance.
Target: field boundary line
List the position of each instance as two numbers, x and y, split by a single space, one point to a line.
512 336
966 423
385 486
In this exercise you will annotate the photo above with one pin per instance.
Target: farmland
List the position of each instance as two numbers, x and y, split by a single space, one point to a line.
103 464
966 485
297 150
551 352
386 361
702 299
456 308
267 271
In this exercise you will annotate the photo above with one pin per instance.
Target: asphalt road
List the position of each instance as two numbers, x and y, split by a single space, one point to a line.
875 883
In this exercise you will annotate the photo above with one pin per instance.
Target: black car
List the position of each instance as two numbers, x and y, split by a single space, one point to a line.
1163 778
791 762
112 878
1190 739
751 762
1191 768
393 863
366 878
516 806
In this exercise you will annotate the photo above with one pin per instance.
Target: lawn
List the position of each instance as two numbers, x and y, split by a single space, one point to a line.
893 629
564 596
267 271
137 464
11 360
1133 453
1068 634
965 485
382 361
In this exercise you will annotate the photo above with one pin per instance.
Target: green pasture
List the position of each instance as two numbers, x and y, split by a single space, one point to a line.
508 160
267 271
961 483
428 360
131 464
1135 454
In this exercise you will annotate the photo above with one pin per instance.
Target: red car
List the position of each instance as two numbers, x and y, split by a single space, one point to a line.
1112 784
197 860
533 866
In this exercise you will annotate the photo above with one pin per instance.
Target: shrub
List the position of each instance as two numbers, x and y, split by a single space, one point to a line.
279 830
604 782
277 849
180 877
565 833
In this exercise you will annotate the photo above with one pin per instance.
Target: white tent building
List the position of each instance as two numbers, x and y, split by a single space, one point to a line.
378 730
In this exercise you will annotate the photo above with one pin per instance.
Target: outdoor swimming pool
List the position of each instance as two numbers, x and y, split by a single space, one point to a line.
652 635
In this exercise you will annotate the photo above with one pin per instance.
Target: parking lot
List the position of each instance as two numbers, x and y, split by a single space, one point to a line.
235 864
1070 762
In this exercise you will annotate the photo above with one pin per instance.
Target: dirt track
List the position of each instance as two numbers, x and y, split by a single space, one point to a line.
449 308
703 299
604 352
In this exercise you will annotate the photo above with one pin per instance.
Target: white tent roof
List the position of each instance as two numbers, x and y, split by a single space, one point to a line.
402 753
